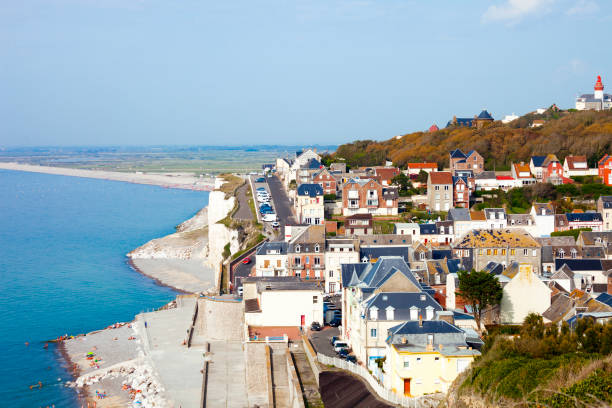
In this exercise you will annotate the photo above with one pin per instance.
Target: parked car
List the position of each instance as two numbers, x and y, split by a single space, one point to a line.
246 260
315 326
333 339
265 206
260 180
335 322
269 217
351 359
343 353
276 224
258 189
340 345
267 211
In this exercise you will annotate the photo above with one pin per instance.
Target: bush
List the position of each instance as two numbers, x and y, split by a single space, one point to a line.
571 233
593 390
329 197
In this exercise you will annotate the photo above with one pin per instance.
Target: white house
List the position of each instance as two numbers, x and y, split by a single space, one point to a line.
281 301
525 293
338 251
408 228
543 215
309 204
271 259
577 166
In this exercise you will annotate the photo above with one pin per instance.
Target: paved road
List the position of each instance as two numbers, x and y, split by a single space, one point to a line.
243 270
282 204
244 211
320 340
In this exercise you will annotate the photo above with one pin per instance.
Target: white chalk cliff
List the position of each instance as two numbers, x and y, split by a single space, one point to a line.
219 235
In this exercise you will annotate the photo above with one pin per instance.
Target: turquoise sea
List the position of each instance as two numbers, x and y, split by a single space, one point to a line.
63 269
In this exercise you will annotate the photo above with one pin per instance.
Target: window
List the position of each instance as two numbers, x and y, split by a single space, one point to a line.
495 252
503 252
307 260
488 252
525 252
437 358
419 360
316 248
406 362
561 253
372 332
422 255
297 261
466 253
574 253
480 252
513 252
297 248
331 274
446 188
315 299
437 188
534 252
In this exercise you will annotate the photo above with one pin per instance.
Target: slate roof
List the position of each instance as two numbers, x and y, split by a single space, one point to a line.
377 252
311 190
484 115
441 253
583 217
428 229
605 298
413 336
401 302
427 327
485 175
313 164
373 275
458 214
538 160
277 247
494 268
457 154
606 201
577 265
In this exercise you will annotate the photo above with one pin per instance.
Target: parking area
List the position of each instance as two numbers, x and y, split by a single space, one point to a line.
321 340
282 204
261 182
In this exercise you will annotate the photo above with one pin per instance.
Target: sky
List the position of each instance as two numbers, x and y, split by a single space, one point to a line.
148 72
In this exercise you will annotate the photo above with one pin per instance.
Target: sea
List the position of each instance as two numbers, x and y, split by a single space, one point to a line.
63 270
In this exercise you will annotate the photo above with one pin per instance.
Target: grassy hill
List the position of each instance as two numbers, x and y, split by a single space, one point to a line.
565 132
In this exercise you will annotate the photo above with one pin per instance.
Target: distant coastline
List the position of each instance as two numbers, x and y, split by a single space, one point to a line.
182 181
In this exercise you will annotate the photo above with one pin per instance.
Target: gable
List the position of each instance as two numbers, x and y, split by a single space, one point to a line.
398 282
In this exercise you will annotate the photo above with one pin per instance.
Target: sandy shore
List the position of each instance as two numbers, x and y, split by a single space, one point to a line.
170 180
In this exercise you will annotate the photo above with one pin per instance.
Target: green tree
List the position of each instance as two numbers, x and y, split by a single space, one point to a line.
402 181
422 176
480 289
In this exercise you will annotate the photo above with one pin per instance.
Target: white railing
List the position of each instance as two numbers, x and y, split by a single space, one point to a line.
382 392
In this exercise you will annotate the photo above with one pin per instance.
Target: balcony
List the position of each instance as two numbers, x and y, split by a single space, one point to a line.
318 267
372 203
297 266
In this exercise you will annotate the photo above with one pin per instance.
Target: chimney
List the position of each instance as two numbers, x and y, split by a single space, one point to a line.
420 321
403 340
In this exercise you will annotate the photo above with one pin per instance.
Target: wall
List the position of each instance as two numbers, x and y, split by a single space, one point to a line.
524 294
285 307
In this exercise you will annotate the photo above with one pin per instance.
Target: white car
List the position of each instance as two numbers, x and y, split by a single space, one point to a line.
263 199
339 345
269 217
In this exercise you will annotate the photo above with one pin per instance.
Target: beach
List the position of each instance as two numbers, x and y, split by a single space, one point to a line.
186 181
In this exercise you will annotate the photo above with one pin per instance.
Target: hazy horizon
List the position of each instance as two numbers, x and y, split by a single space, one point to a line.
150 72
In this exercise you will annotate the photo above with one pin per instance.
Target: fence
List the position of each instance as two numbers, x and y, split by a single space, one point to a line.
382 392
193 322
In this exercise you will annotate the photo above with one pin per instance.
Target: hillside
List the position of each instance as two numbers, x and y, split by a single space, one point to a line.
564 132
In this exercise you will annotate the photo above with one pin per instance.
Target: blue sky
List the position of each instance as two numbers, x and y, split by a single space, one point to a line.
104 72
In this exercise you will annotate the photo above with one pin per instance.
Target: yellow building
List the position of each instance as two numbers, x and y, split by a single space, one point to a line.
425 357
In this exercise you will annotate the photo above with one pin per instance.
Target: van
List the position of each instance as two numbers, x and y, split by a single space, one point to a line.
269 217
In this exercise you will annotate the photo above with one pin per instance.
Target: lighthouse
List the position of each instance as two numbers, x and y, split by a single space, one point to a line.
599 88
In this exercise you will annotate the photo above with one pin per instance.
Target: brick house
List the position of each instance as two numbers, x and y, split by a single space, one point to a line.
306 253
552 171
461 192
471 160
326 180
361 196
358 224
604 169
440 191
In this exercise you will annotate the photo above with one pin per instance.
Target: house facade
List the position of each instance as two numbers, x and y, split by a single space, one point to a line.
271 259
309 204
525 293
576 166
338 251
521 172
358 224
440 191
306 253
326 180
604 207
471 160
361 196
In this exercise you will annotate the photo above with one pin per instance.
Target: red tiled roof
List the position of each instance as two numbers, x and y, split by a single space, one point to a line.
522 168
422 165
441 177
572 160
504 178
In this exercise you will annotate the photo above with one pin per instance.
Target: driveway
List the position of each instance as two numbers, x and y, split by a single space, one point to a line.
281 203
320 340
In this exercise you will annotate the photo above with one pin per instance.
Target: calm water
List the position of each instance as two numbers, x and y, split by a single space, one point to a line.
63 269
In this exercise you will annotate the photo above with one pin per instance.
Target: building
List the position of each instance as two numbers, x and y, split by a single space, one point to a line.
413 169
591 220
461 192
525 293
309 204
408 228
465 221
433 128
306 253
479 247
358 224
543 216
281 302
604 169
480 121
521 172
425 357
574 166
509 118
595 101
367 196
440 191
496 218
271 259
386 174
535 166
604 207
326 180
471 160
338 251
552 171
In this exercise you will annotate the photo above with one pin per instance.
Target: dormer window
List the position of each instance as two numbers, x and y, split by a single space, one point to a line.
373 313
316 248
390 312
561 253
574 253
297 248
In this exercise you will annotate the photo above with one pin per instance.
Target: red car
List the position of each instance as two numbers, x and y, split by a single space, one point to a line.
246 260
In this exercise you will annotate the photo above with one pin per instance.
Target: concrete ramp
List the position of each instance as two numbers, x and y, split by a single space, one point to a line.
220 318
226 384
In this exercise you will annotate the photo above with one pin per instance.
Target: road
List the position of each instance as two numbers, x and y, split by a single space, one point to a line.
244 211
243 270
282 204
321 340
